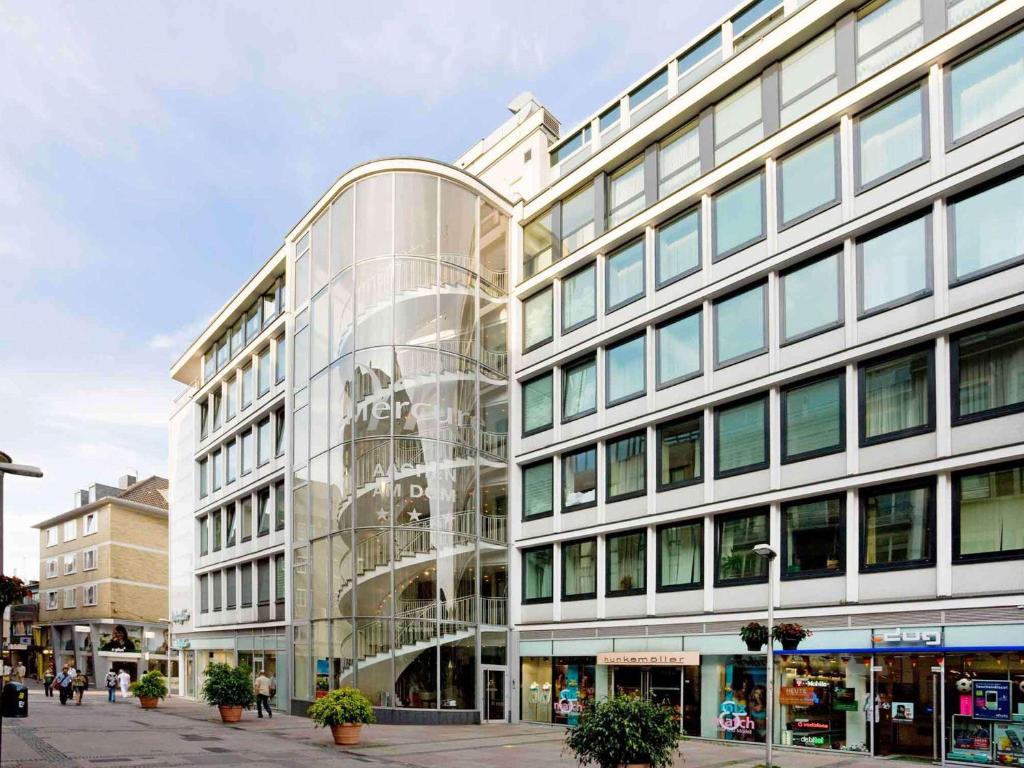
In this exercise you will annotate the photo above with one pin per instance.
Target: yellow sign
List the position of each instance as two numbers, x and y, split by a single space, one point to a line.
650 659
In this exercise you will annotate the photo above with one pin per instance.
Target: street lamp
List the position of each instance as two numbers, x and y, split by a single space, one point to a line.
7 468
768 553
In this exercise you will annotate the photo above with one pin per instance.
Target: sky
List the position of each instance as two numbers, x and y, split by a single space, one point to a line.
154 154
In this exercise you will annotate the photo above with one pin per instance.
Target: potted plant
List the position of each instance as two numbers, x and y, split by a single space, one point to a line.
345 710
789 635
625 731
755 635
149 688
229 689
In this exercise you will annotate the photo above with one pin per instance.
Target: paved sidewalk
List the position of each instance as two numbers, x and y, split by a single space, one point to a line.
184 733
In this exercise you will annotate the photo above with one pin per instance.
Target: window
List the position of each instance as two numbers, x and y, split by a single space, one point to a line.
245 576
988 372
895 266
897 526
754 15
246 387
626 566
204 488
626 370
890 139
538 490
738 214
230 400
626 196
579 298
229 525
215 400
737 534
279 580
624 276
576 146
246 518
610 124
51 600
681 556
209 364
814 418
579 479
218 591
579 389
627 467
51 569
887 30
237 338
222 352
988 513
537 314
677 248
70 597
678 160
649 96
807 78
263 373
537 244
738 123
217 464
986 90
897 397
51 536
89 526
204 419
231 588
215 528
263 442
693 65
986 233
579 570
70 564
204 535
537 404
813 538
680 452
263 511
70 530
577 220
809 180
204 593
961 10
231 461
281 360
279 506
679 354
741 437
246 451
253 323
89 595
263 582
740 322
812 298
279 432
538 581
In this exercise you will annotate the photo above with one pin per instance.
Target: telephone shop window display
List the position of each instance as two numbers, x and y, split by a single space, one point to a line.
738 712
985 708
820 702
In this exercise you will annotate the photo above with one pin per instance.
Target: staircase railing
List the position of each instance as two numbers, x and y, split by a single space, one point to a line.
493 611
494 528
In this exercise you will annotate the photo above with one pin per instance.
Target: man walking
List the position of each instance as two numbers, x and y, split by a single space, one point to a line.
48 677
19 672
262 688
111 683
123 679
63 681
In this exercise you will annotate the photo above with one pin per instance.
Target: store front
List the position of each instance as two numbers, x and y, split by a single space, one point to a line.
258 651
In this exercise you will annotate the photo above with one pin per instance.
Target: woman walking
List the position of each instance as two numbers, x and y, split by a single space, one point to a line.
80 683
48 677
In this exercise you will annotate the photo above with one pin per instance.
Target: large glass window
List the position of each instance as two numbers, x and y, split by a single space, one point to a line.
809 179
678 160
740 326
812 298
988 372
897 526
538 581
680 452
537 319
579 389
626 565
624 275
681 556
626 369
648 97
896 397
538 491
813 540
537 244
738 214
677 248
895 265
959 11
890 139
578 220
579 569
579 298
813 418
741 437
627 467
887 30
736 536
807 78
679 349
988 513
699 60
987 232
537 404
987 89
579 479
738 122
626 194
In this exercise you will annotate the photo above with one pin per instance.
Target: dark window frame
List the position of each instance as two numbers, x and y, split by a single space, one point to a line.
537 600
720 364
642 241
661 282
929 482
822 207
723 517
608 539
562 475
608 468
550 291
929 269
719 473
593 317
820 573
717 257
608 401
787 458
980 557
551 509
699 417
841 286
951 203
585 595
928 426
699 584
956 419
579 362
658 384
550 375
858 185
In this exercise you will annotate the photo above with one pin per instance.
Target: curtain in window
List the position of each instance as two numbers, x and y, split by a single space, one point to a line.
896 395
625 274
680 555
741 432
992 512
537 311
537 403
580 568
887 33
812 417
577 220
626 193
580 391
626 562
579 297
678 160
738 122
538 574
537 489
992 369
626 465
896 527
988 87
807 79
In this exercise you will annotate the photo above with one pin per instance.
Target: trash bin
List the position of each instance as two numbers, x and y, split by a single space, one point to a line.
15 700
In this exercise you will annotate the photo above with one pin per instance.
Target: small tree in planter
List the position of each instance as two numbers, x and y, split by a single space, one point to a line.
625 731
149 688
755 635
789 635
345 710
229 689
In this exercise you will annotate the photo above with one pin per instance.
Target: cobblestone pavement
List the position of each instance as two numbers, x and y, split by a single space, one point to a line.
183 733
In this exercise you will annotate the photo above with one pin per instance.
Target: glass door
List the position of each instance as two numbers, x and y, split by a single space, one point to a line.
664 687
905 707
494 695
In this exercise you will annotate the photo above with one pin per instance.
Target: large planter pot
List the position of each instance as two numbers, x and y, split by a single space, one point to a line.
230 714
790 644
754 646
346 734
634 765
148 702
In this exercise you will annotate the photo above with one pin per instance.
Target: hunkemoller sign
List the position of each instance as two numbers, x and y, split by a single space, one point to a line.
650 659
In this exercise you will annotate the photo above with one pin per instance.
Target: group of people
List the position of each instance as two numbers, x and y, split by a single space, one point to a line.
71 683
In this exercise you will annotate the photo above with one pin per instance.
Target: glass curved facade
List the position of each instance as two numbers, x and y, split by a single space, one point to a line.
400 443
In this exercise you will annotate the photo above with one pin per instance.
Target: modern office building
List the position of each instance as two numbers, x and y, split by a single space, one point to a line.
773 292
103 581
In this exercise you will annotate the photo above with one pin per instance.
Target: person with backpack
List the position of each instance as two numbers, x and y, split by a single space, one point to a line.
111 683
79 685
63 682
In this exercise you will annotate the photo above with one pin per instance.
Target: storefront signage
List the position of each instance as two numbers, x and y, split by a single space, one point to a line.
896 638
991 699
81 627
733 718
182 643
25 639
811 725
844 699
797 696
651 659
903 712
180 617
816 740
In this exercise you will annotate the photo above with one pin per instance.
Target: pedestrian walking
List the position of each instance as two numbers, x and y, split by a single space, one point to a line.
63 683
123 679
111 683
262 688
19 672
48 677
79 685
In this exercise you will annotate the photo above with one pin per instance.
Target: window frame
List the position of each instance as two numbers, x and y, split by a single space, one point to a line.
608 539
929 267
582 596
715 255
87 529
784 575
721 474
608 497
924 429
658 384
660 283
659 486
736 514
715 303
550 291
981 557
561 310
837 154
94 552
579 362
858 184
699 584
623 169
929 482
568 508
551 422
840 298
608 401
758 80
949 204
609 308
524 600
956 419
551 508
866 10
784 456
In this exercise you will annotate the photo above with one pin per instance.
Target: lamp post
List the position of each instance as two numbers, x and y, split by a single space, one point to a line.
768 553
8 468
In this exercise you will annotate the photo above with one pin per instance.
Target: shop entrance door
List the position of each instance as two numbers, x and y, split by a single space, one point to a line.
662 685
494 694
905 707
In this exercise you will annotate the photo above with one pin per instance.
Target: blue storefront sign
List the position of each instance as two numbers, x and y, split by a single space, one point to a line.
991 699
